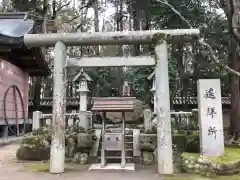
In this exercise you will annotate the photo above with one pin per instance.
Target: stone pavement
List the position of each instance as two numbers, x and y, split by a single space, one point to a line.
14 173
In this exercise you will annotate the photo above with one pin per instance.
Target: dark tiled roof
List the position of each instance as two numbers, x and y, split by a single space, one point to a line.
193 100
47 102
13 27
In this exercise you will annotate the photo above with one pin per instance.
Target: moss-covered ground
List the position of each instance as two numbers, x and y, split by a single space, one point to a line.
231 155
203 178
45 166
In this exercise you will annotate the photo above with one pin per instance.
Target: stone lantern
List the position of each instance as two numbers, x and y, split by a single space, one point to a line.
83 80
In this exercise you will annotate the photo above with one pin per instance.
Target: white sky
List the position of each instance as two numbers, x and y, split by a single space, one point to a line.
108 12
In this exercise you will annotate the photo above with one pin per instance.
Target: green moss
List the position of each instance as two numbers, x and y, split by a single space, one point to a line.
179 135
231 155
203 178
158 37
186 155
181 178
37 167
35 142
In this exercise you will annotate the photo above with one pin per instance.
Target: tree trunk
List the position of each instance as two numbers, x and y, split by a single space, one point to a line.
119 12
136 26
96 26
97 51
96 23
235 95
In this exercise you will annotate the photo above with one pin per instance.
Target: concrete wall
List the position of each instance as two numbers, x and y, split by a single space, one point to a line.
12 75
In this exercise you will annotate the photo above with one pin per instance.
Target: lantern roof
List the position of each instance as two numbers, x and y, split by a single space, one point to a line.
81 74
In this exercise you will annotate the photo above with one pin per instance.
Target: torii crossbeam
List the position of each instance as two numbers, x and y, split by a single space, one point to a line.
106 38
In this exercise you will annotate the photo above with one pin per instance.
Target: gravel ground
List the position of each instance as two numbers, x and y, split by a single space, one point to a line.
10 169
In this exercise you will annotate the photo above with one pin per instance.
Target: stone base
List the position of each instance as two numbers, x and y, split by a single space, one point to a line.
117 166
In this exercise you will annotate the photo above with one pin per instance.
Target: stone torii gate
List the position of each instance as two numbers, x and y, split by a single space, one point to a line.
160 60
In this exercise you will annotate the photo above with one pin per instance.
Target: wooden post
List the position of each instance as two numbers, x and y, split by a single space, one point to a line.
164 136
57 157
103 156
123 153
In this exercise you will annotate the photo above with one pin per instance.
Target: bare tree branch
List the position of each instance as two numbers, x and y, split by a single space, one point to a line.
70 20
201 40
64 5
83 21
231 10
45 18
87 5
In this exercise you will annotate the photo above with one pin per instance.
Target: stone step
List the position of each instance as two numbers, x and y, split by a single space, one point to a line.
109 159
